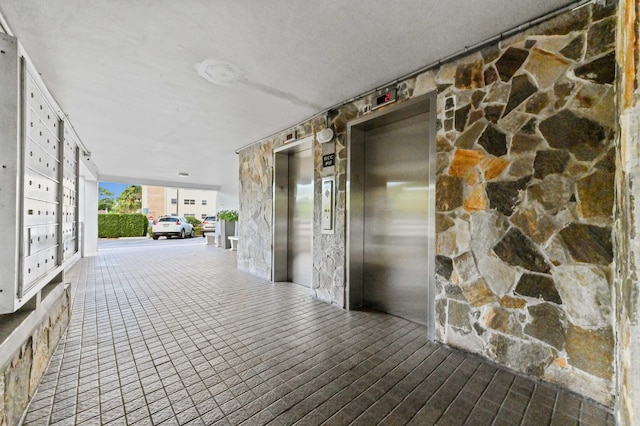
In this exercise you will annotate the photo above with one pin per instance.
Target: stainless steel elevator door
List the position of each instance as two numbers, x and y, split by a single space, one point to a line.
396 208
300 261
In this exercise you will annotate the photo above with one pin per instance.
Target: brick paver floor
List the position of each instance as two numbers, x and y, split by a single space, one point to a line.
171 333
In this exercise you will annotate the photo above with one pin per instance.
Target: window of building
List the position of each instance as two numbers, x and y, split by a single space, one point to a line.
204 202
187 201
174 201
203 215
189 215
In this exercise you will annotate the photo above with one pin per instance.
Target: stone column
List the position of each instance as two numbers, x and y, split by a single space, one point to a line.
628 220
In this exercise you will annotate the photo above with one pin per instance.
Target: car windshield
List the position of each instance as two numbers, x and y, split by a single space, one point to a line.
168 219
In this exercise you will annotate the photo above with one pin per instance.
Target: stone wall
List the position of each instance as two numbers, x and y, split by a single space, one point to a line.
256 208
524 199
627 243
524 195
627 258
20 378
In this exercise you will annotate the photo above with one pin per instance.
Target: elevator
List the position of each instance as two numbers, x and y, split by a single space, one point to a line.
293 213
391 211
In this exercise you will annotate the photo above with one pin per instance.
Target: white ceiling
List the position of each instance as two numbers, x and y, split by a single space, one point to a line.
125 71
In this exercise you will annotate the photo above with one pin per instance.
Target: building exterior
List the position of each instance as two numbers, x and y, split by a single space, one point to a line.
160 201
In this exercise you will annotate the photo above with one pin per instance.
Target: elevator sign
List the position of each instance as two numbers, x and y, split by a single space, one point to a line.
329 160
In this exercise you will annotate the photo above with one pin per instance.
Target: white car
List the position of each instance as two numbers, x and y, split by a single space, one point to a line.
169 226
209 225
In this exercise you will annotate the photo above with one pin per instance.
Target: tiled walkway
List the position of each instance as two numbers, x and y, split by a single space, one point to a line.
171 333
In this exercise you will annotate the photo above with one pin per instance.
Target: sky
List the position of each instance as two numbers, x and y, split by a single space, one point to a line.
116 188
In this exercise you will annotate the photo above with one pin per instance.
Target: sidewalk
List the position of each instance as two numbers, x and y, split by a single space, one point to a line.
174 335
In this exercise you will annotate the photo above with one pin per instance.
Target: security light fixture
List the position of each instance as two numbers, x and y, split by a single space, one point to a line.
325 135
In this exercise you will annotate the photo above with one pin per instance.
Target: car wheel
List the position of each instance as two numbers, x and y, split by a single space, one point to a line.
155 237
203 235
192 234
181 233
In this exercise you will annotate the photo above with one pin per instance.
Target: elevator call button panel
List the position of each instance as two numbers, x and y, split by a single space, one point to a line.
328 189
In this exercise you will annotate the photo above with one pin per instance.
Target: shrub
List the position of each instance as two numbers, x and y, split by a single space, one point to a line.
122 225
194 221
228 215
197 224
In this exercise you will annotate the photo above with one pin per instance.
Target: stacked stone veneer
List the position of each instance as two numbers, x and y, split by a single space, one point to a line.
627 230
524 201
256 208
20 378
524 197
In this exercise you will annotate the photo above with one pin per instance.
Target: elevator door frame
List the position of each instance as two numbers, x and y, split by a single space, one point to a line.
280 231
355 196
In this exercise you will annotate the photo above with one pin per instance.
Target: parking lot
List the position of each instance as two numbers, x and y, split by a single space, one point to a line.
115 243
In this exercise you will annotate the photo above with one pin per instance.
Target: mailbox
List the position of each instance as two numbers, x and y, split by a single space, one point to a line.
38 181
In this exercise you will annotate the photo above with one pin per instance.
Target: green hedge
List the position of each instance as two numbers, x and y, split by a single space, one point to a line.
197 224
194 221
122 225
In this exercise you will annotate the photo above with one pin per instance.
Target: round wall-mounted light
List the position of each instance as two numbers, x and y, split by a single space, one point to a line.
324 135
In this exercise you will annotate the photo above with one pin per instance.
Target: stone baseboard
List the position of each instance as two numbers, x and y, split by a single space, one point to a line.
28 339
